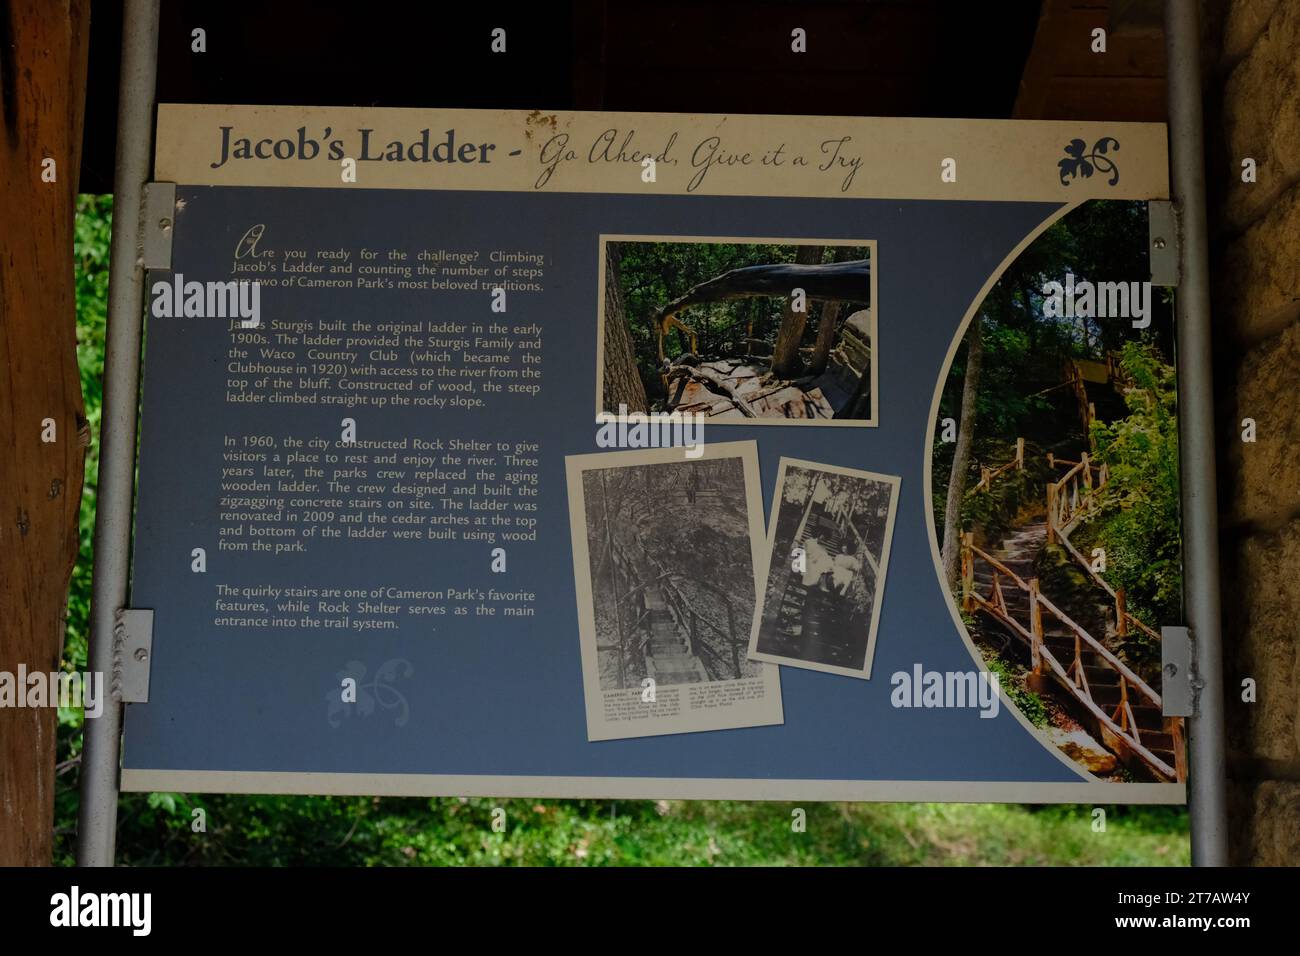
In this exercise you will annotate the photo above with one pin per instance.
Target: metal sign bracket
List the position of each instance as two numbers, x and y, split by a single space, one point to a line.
159 224
1178 688
1163 228
132 655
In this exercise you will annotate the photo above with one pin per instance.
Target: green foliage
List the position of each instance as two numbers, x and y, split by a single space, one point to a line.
1139 523
450 831
91 239
1014 493
1062 578
1002 406
1025 351
1012 681
992 513
652 274
90 251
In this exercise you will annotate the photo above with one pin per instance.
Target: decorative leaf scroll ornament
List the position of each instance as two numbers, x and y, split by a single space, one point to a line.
1078 163
378 692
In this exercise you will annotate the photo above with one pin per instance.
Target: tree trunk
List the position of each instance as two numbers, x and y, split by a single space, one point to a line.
622 383
785 357
961 454
826 322
42 89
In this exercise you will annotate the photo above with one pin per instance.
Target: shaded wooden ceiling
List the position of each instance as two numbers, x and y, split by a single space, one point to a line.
1023 58
1064 78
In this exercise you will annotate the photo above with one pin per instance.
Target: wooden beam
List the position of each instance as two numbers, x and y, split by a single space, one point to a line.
1064 78
834 281
43 48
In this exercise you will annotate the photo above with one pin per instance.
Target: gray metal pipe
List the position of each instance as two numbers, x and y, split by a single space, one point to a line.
100 758
1207 784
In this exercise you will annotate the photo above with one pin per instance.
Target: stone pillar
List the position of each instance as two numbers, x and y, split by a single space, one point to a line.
1252 62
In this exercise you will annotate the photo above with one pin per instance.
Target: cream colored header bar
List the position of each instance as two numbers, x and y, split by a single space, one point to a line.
699 154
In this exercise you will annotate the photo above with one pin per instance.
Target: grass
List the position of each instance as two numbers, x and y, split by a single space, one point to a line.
364 831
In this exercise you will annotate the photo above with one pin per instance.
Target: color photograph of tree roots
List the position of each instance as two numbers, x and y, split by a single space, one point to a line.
739 330
1054 485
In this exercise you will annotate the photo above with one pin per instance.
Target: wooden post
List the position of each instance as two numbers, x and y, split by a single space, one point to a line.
1020 454
1087 472
967 571
1051 513
1121 613
1035 628
613 571
1051 460
1122 710
622 645
735 646
986 478
43 428
1174 728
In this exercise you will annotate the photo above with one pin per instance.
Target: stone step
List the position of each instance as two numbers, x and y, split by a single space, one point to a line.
1099 676
1148 717
668 678
1156 741
1165 755
679 660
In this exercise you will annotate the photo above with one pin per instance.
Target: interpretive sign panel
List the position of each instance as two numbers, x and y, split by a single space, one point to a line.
873 500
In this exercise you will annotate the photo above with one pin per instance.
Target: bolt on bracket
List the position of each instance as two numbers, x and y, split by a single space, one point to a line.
1177 689
132 655
158 223
1162 226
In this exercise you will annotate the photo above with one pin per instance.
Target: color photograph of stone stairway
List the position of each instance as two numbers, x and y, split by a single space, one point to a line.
1055 452
1100 693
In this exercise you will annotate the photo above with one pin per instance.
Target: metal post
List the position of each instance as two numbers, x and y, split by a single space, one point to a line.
97 822
1207 788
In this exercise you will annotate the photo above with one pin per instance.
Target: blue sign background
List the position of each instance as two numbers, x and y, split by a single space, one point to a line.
506 698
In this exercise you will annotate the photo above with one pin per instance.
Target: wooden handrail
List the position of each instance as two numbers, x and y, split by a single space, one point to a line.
1087 566
1077 629
1078 467
1062 530
1052 461
1001 567
1132 739
987 474
1150 632
1075 677
1101 649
